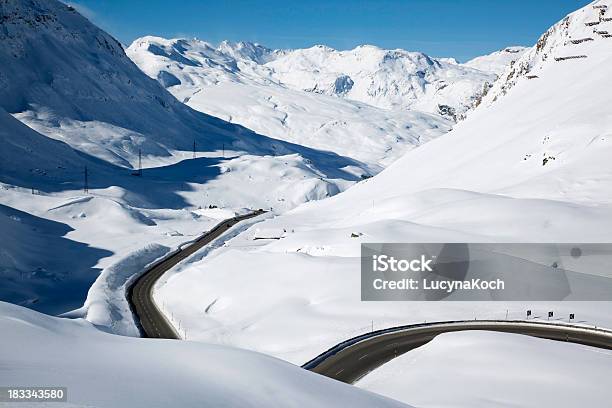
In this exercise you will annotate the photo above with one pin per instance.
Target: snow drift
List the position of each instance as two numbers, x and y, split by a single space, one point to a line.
41 351
457 361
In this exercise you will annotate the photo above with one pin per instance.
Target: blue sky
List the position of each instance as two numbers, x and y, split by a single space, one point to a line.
444 28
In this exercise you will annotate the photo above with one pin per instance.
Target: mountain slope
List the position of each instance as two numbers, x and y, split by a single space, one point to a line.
68 72
581 35
27 156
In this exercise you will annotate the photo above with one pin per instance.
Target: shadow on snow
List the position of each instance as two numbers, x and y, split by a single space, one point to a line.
40 268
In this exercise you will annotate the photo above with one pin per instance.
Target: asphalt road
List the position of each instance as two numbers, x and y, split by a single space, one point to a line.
152 322
354 358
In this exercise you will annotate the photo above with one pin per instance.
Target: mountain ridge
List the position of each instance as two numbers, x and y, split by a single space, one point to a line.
393 79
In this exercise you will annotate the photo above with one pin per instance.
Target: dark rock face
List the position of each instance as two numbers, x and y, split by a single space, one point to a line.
343 84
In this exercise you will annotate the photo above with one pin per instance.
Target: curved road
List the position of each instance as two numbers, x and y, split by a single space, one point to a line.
354 358
151 320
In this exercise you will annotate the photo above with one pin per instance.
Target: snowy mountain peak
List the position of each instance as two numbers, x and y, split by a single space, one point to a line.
367 47
449 60
247 51
24 19
389 79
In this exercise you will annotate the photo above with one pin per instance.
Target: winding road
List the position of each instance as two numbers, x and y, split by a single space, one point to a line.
152 322
354 358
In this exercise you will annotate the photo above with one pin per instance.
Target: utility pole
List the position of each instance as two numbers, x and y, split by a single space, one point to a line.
223 150
86 184
139 162
194 147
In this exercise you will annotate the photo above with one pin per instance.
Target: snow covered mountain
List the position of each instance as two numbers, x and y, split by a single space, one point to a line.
64 75
389 79
530 164
235 82
571 43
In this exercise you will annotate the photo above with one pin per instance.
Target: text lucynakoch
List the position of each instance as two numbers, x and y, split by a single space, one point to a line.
445 285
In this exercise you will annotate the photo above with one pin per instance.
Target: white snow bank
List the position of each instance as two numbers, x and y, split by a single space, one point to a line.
485 369
219 213
106 303
40 267
39 350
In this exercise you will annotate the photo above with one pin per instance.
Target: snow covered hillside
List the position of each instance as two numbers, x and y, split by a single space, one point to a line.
235 82
467 366
532 166
39 350
62 73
